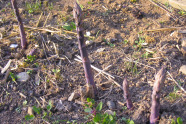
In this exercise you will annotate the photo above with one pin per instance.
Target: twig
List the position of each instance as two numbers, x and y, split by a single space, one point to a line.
46 20
158 4
102 70
176 82
130 60
98 70
39 19
162 29
95 68
6 66
43 40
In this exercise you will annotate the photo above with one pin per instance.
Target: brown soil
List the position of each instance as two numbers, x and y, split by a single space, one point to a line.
115 26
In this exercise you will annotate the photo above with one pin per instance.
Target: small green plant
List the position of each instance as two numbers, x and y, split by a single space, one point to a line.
25 103
182 12
179 121
33 7
13 76
127 121
132 67
29 117
109 43
147 55
125 41
96 115
133 1
69 26
140 43
50 6
30 58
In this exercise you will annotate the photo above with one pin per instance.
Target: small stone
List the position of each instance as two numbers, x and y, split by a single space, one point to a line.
100 50
30 111
183 69
111 105
109 112
73 96
59 106
89 42
23 77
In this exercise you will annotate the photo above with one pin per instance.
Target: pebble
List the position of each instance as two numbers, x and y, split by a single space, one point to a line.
111 105
59 106
89 42
73 96
30 111
23 77
183 69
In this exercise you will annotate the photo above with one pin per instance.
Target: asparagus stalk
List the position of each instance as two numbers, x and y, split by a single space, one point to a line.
159 80
21 28
78 16
127 94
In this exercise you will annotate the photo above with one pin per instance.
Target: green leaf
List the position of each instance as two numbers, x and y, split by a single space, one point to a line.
49 106
44 115
131 122
88 110
97 118
29 117
173 121
111 117
99 106
88 99
36 109
179 120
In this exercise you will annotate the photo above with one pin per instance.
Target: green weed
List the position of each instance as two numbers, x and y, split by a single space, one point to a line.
69 26
182 12
13 76
179 121
96 115
140 43
33 7
127 121
30 58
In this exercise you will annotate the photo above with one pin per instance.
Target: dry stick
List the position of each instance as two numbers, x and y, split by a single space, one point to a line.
46 20
39 19
77 13
158 4
176 82
21 28
127 94
155 108
103 72
97 69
